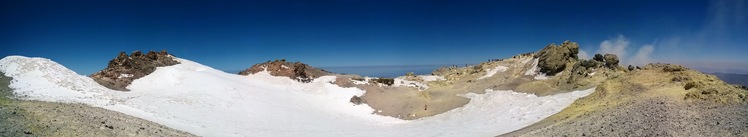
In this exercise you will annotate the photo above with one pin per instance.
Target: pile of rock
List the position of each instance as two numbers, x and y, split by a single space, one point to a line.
567 71
296 70
123 69
552 59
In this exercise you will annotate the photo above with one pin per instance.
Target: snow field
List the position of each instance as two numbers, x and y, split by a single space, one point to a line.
208 102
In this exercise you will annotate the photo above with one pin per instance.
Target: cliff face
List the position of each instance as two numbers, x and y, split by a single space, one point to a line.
123 69
296 70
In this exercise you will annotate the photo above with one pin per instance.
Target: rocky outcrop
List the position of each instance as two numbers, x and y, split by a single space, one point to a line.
123 69
552 59
296 70
598 57
566 72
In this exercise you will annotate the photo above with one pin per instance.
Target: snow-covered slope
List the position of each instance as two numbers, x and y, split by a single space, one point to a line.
204 101
45 80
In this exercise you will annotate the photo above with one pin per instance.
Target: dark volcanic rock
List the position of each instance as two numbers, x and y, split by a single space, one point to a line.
590 63
552 59
122 70
385 81
611 61
297 70
356 100
599 57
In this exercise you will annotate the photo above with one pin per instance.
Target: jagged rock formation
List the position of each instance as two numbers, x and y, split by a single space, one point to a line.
553 59
567 72
296 70
123 69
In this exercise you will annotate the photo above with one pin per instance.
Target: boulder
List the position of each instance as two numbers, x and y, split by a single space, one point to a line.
598 57
611 61
590 63
553 59
123 69
356 100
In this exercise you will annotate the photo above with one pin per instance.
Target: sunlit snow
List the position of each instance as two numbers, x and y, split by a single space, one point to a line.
208 102
491 72
408 83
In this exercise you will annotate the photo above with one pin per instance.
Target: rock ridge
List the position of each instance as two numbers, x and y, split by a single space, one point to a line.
294 70
123 69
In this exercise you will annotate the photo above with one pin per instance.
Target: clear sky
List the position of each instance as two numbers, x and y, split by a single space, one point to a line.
233 35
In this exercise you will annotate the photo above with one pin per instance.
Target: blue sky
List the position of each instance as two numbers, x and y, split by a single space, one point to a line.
233 35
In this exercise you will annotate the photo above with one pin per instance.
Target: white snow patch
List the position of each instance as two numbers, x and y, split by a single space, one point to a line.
540 76
407 83
364 82
429 78
125 75
284 67
45 80
214 103
491 72
534 70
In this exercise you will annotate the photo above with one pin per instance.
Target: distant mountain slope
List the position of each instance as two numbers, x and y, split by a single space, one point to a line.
741 79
